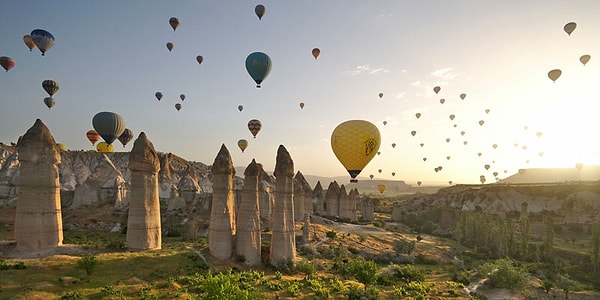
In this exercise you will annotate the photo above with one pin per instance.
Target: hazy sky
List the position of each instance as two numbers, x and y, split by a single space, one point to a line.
112 56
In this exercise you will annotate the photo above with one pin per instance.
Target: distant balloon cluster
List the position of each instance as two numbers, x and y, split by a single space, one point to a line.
554 74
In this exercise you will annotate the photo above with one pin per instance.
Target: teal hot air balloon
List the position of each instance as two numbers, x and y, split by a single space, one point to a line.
258 66
109 125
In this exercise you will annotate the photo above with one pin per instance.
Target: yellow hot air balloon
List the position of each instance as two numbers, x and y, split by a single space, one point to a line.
243 144
554 74
62 147
584 59
28 42
569 27
381 188
105 147
355 143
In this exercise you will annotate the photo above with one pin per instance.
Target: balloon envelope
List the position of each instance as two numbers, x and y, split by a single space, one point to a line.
50 86
437 89
584 59
7 63
260 10
170 46
49 101
62 147
178 106
254 126
554 74
174 22
43 39
301 105
158 95
199 59
258 65
355 143
109 125
240 107
28 42
570 27
92 136
243 144
182 97
316 52
126 136
105 147
463 96
381 187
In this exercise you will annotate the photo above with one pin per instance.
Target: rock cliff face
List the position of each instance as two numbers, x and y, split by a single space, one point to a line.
575 202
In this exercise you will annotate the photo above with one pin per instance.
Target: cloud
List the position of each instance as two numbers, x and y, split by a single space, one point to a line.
366 69
445 73
400 95
415 83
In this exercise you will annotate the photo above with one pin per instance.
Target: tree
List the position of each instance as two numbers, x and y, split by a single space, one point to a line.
365 271
549 238
87 263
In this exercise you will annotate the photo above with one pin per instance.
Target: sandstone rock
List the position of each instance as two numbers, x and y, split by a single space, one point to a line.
222 215
319 198
143 222
38 222
332 198
283 238
248 239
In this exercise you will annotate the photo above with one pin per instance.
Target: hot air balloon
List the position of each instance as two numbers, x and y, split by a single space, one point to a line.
243 144
199 59
380 95
62 147
371 176
487 167
525 127
569 27
495 174
260 10
7 63
450 182
452 117
381 188
418 115
482 179
442 101
419 183
254 126
539 134
463 96
462 132
174 22
158 95
301 105
380 170
316 52
240 107
487 111
424 158
495 146
258 65
465 142
384 123
448 157
126 137
182 97
481 122
584 59
413 133
43 39
109 125
541 154
393 145
28 42
354 143
422 145
178 106
436 89
92 136
554 74
105 147
579 166
170 46
49 101
447 140
50 86
479 154
393 173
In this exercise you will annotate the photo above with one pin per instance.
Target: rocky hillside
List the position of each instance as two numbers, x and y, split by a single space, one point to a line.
575 202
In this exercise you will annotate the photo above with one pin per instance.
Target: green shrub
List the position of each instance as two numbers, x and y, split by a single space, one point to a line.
331 234
87 263
72 296
504 273
356 293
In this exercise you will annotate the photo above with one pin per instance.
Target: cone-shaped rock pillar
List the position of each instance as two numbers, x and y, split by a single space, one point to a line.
143 222
367 210
248 219
299 197
38 222
332 197
348 205
283 237
319 198
221 228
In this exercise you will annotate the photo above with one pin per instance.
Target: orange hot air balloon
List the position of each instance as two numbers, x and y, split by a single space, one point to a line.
254 126
92 136
316 52
436 89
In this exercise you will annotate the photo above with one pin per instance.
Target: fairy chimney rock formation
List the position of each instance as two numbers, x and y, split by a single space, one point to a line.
332 198
248 239
347 205
319 198
299 200
283 237
222 214
38 222
143 222
306 229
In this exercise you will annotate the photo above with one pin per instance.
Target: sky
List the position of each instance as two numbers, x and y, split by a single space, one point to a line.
112 56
